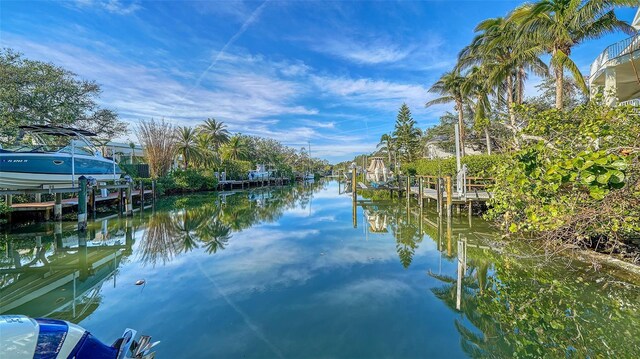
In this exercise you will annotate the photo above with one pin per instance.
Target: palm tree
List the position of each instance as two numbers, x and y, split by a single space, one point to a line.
217 132
133 151
479 88
450 87
559 25
235 149
386 143
208 156
186 144
503 59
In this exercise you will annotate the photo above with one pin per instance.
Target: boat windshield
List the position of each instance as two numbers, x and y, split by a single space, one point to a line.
78 150
43 142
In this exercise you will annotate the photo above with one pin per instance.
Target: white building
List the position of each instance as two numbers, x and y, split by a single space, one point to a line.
124 152
617 70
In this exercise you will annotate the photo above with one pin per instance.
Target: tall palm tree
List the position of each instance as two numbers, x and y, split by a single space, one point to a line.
386 143
186 144
208 156
450 87
217 132
235 149
503 59
479 88
559 25
133 151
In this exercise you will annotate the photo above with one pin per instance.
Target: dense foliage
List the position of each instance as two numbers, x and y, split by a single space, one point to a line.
477 166
189 180
35 92
576 179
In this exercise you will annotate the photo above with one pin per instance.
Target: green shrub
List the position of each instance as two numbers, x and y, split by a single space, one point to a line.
477 165
578 182
190 180
4 208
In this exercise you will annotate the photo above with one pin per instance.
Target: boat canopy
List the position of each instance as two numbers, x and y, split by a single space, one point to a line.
57 131
377 172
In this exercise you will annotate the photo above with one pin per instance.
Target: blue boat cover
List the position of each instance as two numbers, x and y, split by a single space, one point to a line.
90 347
50 338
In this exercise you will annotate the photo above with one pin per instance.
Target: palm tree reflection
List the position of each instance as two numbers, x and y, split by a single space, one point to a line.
181 225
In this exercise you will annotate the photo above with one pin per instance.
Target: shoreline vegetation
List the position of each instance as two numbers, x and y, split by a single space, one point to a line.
565 164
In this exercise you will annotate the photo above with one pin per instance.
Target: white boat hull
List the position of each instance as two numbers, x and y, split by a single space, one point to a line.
19 180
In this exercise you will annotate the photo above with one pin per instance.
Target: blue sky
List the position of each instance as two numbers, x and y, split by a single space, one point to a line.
333 73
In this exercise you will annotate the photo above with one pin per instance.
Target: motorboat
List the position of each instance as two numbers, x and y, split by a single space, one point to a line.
260 173
57 157
24 337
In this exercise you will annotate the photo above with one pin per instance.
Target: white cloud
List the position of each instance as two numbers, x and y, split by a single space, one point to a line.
245 93
363 52
113 6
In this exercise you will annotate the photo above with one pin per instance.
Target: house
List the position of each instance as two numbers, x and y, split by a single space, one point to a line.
123 152
616 71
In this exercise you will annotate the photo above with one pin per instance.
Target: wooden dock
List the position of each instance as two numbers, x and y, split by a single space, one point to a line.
70 202
438 189
261 182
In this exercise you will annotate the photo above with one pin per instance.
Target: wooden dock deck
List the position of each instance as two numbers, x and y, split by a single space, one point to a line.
242 184
70 202
475 196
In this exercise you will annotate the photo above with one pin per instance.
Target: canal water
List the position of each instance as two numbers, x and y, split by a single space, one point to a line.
296 273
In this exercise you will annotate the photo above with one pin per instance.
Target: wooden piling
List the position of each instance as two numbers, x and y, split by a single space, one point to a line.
354 184
120 200
153 191
141 195
420 191
408 189
92 202
449 190
82 204
57 207
129 200
439 194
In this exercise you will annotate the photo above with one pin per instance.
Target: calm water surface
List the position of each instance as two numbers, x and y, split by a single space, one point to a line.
292 273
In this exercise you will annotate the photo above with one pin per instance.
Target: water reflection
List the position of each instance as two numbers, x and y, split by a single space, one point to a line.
52 270
283 271
56 272
514 303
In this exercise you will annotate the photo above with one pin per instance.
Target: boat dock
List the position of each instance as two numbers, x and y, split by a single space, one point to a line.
86 200
258 182
469 191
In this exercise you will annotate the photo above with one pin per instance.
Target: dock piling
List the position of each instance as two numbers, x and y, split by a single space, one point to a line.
420 191
354 184
141 195
449 189
439 194
408 189
92 202
82 204
57 207
120 204
129 200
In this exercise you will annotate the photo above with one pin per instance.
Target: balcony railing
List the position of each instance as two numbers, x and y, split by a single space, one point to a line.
619 49
634 102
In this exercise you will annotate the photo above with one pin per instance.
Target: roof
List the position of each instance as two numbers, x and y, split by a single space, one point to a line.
636 20
57 131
